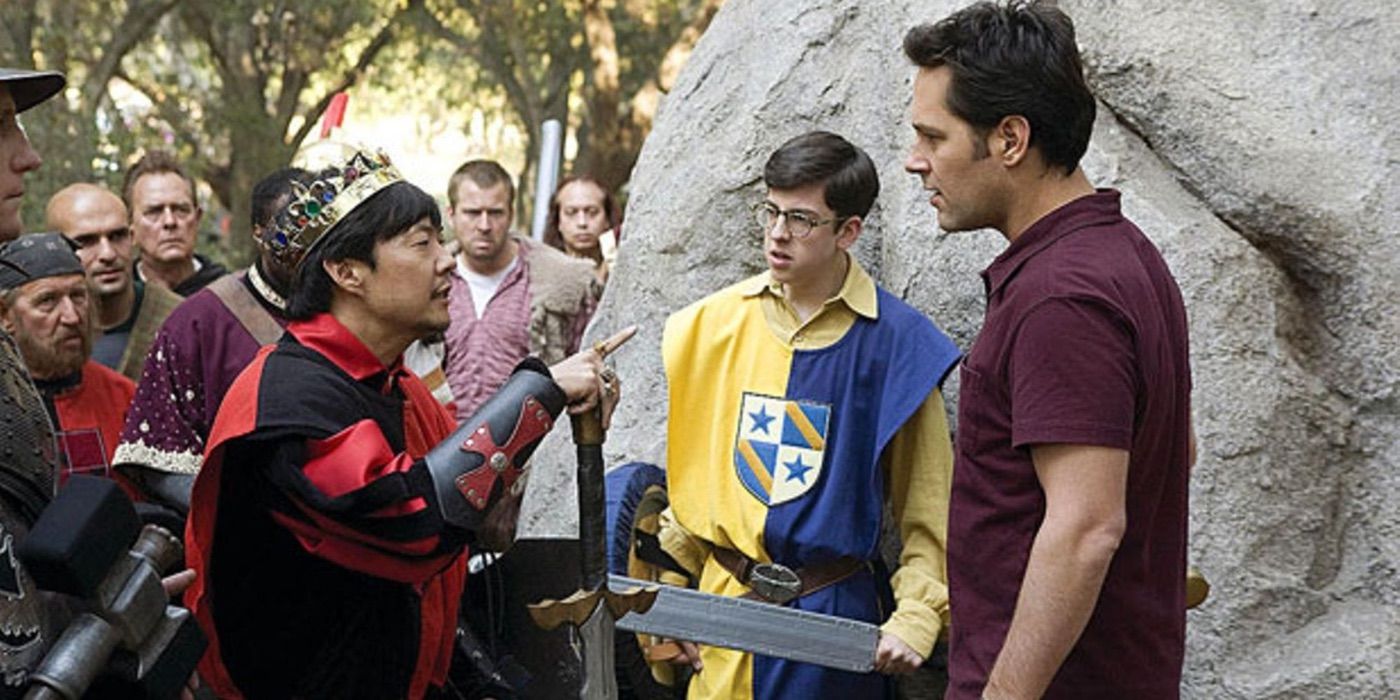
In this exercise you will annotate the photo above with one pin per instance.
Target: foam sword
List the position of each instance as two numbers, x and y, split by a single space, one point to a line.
679 613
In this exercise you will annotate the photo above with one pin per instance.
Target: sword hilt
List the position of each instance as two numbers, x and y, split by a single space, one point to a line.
588 428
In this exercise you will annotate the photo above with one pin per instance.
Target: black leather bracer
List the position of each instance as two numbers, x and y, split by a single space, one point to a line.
479 462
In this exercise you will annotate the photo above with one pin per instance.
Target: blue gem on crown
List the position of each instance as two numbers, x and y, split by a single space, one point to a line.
315 209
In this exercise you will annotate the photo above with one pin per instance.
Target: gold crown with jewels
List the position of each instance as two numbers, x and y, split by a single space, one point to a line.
339 186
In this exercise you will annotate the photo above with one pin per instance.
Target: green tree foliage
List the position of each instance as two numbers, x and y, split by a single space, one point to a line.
242 83
80 134
597 65
235 87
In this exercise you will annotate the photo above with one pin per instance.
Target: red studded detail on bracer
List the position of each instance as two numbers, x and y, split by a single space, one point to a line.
499 462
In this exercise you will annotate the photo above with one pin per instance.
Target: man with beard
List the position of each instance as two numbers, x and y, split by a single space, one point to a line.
196 355
27 476
331 515
45 306
165 223
31 619
126 310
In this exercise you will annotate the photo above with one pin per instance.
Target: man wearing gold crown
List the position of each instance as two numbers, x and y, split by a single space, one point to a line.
331 516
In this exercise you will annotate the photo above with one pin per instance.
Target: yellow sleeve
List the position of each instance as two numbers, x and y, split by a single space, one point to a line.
919 461
688 550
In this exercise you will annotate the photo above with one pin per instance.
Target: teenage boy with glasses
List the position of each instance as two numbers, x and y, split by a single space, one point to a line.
800 400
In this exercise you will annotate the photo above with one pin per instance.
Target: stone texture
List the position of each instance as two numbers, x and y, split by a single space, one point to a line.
1253 141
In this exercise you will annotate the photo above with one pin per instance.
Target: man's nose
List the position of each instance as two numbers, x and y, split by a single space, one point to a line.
445 263
68 312
779 230
25 158
915 163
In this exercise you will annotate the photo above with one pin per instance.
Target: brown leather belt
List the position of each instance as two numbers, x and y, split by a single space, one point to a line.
775 583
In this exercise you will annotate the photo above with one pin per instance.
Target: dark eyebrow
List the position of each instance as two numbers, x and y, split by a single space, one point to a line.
927 130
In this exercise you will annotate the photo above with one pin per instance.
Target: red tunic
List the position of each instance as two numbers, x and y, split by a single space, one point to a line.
90 418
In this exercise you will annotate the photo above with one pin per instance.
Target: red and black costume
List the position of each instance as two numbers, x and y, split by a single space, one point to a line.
329 520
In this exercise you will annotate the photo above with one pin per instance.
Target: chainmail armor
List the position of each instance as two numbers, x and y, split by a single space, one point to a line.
28 449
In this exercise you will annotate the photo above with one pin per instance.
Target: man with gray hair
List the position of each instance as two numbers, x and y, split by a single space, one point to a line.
165 216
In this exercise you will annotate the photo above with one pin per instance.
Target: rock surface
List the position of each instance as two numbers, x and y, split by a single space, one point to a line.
1254 142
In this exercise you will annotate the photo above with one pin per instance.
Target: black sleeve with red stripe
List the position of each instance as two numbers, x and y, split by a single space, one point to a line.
389 512
339 471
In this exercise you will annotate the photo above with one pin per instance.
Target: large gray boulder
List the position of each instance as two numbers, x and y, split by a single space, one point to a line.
1253 141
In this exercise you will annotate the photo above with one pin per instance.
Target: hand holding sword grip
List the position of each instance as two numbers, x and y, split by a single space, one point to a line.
584 379
588 428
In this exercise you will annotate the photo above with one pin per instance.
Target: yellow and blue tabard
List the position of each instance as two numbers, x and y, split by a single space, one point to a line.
774 449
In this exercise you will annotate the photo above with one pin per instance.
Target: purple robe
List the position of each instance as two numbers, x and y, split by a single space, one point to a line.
200 349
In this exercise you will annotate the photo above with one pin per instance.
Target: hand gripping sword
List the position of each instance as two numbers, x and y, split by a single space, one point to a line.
579 607
679 613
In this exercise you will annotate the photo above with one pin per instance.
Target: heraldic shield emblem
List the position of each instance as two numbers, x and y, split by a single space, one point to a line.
779 446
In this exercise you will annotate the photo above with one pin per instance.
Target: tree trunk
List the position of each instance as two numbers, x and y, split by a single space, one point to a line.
256 149
607 157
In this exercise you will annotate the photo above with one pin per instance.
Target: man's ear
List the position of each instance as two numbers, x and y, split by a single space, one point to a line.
347 274
5 319
1011 140
849 232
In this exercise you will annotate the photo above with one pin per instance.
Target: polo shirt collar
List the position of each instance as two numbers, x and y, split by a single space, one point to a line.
857 291
328 336
1101 207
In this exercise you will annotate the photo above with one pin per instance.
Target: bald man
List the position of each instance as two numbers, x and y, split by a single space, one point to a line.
127 311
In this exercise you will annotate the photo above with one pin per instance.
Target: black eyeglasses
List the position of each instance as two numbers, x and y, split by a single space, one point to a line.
799 224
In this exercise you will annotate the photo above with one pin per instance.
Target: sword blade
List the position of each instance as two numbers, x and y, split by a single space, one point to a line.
752 626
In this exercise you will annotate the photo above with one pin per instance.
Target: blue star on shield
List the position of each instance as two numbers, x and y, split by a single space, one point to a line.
779 446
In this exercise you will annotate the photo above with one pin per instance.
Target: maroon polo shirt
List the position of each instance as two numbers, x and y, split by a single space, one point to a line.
1084 342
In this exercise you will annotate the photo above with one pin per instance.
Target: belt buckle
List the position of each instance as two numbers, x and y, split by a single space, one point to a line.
774 582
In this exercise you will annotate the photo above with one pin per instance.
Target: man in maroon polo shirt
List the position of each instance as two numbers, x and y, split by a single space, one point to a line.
1067 526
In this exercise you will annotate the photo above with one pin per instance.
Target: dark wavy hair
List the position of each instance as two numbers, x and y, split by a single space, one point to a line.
1017 58
553 237
846 173
386 214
